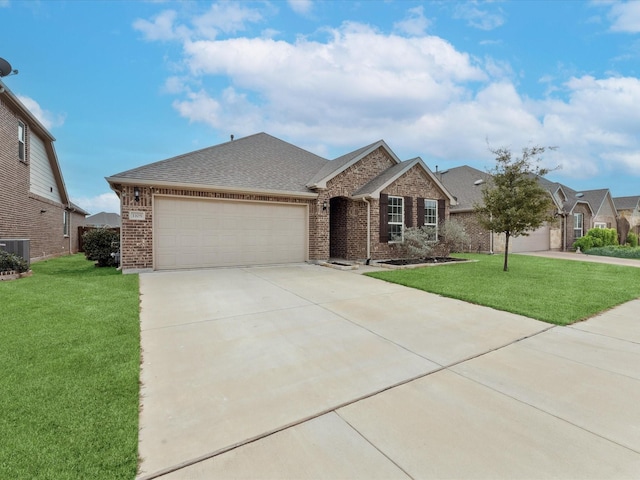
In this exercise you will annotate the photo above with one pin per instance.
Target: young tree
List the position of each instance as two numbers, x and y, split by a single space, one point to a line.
514 203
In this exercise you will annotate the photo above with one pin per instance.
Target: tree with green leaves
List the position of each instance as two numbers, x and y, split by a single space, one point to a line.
514 203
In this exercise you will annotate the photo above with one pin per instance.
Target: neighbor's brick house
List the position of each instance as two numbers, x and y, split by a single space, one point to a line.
260 200
35 203
575 213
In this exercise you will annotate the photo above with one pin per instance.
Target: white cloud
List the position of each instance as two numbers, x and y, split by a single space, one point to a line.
418 92
414 24
4 3
482 19
161 27
104 202
302 7
357 72
625 17
226 17
47 118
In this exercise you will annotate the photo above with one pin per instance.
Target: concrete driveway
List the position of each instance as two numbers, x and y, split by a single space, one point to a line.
303 371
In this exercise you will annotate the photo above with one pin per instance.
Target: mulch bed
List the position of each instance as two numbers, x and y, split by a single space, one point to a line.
420 261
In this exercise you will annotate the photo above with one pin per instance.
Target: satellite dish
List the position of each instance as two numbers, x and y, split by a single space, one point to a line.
5 67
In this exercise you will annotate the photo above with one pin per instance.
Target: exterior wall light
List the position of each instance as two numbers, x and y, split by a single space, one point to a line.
324 205
136 194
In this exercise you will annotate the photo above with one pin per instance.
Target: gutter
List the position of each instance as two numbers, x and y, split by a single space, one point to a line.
208 188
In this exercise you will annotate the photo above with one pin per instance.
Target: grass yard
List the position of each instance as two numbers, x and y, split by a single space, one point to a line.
551 290
70 372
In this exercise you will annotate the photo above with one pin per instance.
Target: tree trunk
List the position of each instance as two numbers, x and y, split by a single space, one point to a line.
506 252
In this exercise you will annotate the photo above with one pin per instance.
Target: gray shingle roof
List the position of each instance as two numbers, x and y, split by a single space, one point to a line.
627 203
256 162
460 181
103 219
595 198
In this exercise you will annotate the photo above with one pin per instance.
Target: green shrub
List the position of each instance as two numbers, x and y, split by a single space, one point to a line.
632 239
11 262
608 236
597 237
584 243
619 251
99 244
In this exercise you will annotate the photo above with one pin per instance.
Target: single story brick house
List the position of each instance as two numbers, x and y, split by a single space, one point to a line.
260 200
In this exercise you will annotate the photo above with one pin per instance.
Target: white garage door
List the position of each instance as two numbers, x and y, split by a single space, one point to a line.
536 241
195 233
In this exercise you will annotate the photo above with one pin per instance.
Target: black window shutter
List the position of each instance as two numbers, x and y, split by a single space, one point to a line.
420 212
408 212
384 212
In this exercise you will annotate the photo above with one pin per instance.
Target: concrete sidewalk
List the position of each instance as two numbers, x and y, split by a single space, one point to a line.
309 372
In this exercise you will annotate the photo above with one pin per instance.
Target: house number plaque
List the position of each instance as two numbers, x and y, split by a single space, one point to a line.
136 215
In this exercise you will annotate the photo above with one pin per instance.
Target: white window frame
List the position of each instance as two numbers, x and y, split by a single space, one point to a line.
395 212
431 215
599 225
578 225
22 141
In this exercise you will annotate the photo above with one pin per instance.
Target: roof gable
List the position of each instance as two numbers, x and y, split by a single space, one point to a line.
598 200
340 164
13 103
374 187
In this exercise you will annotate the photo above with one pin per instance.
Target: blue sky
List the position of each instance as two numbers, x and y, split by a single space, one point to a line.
123 83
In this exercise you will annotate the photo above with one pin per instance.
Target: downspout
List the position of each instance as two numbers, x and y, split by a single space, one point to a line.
368 229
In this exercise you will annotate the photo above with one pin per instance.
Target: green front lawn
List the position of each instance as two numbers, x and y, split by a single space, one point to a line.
70 356
555 291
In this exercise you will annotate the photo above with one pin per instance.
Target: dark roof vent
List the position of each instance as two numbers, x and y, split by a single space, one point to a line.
232 137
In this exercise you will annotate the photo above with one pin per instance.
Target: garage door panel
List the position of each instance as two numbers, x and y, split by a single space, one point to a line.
197 233
536 241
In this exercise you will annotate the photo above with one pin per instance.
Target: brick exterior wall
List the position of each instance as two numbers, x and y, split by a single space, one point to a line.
414 184
345 218
479 237
586 221
22 213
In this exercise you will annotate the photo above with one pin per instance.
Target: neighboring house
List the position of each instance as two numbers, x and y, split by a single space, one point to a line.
604 209
103 220
574 214
35 203
629 209
260 200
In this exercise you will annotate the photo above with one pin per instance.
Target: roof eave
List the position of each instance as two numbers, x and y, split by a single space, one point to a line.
113 181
